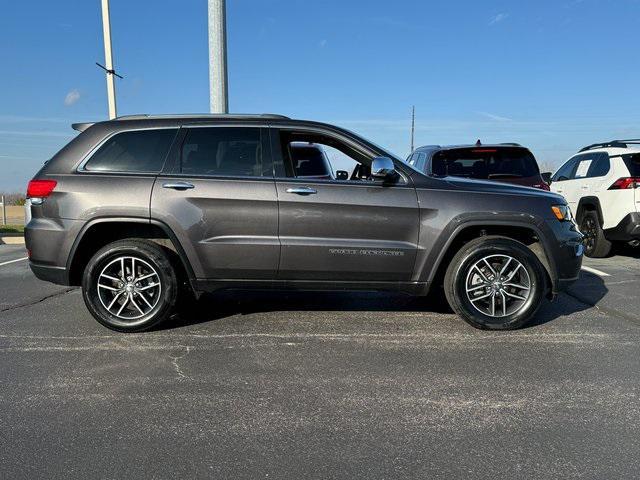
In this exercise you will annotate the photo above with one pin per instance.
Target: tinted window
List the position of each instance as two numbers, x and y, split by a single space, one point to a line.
138 151
600 166
224 151
633 164
485 163
309 161
565 172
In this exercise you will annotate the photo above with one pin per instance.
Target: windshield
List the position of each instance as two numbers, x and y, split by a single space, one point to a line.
485 163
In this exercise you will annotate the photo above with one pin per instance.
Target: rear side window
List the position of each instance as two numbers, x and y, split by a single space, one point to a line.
140 151
633 164
600 166
485 163
224 151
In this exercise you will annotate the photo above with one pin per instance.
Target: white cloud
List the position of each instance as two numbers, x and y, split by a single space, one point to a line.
72 97
497 118
498 18
323 43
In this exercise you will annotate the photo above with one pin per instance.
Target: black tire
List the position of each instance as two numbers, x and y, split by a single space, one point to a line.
161 298
461 271
595 243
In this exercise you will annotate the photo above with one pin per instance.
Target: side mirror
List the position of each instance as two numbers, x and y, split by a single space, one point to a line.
382 168
546 176
342 175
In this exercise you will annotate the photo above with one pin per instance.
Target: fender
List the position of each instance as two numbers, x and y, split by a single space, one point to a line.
458 224
594 201
139 220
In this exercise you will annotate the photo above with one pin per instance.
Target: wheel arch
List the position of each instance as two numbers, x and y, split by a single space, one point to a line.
101 231
528 234
590 203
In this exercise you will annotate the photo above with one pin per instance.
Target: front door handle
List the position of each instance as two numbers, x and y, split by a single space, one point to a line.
302 190
178 185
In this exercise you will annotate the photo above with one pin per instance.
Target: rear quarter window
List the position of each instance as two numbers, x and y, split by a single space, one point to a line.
140 151
633 164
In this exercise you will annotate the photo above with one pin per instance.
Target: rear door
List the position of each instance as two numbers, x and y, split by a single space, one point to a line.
219 198
353 230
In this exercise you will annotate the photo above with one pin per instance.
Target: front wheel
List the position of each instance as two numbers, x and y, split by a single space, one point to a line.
495 283
595 243
130 285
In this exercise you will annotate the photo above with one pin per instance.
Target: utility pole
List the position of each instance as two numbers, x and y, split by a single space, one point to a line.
108 60
413 125
218 83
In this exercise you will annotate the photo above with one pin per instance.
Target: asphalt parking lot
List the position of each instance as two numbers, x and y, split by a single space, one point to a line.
321 385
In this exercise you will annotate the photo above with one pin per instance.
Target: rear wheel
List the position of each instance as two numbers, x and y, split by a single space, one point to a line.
130 285
595 243
495 283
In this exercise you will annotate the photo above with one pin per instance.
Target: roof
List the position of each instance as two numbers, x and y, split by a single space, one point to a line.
81 127
203 116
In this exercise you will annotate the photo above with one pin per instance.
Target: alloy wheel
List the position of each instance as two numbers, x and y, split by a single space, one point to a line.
498 285
129 288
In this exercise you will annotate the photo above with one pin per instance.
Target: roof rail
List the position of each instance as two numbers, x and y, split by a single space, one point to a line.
611 144
143 116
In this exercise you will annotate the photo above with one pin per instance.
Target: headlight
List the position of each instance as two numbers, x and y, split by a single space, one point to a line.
562 213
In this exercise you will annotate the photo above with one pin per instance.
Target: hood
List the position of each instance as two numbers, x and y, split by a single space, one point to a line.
470 184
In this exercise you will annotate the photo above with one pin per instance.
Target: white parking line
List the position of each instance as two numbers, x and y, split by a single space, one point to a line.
595 271
13 261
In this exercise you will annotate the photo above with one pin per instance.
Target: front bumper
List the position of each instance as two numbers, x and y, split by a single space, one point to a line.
628 229
564 249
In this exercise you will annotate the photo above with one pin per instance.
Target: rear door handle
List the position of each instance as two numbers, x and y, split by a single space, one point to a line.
178 185
302 190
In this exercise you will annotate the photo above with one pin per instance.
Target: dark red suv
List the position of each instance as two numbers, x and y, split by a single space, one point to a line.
505 162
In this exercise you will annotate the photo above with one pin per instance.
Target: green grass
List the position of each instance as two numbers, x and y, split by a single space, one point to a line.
11 229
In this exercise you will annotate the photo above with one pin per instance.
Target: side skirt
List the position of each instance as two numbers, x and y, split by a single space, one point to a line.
411 288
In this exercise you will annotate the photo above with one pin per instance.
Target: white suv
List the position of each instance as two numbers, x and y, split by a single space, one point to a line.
600 183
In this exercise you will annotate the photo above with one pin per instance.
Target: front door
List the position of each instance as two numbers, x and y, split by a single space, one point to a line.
352 230
219 198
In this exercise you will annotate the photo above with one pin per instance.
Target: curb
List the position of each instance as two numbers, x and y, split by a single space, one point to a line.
11 239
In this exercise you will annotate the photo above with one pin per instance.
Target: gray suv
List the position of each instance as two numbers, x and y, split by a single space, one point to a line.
143 210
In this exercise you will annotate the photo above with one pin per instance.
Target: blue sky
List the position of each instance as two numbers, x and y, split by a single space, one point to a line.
552 74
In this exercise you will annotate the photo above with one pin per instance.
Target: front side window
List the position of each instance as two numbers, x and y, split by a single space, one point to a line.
224 151
565 172
322 157
140 151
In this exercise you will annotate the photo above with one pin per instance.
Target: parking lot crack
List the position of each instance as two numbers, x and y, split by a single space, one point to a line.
176 365
35 302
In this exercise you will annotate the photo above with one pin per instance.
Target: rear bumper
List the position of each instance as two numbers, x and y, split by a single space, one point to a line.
628 229
49 273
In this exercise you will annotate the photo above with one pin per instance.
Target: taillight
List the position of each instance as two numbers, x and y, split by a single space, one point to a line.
40 188
625 183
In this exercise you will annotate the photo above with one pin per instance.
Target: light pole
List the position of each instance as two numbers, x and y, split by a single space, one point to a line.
218 83
413 125
108 60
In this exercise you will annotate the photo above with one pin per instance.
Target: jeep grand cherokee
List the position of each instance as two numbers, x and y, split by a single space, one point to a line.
137 208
